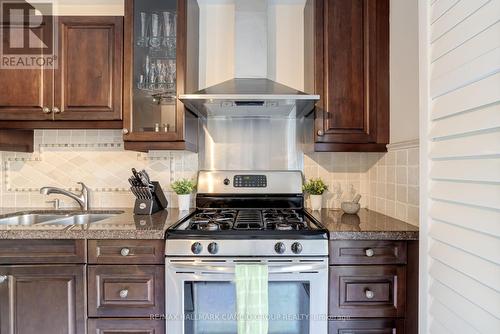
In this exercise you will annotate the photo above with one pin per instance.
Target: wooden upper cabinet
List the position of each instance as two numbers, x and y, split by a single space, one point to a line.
352 75
42 299
161 62
24 93
89 75
84 87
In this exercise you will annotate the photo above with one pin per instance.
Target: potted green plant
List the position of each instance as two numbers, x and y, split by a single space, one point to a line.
183 188
315 188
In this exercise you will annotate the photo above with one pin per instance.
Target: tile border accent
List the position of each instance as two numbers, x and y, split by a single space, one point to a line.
36 157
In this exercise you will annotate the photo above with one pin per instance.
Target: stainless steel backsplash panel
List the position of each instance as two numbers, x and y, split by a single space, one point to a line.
250 144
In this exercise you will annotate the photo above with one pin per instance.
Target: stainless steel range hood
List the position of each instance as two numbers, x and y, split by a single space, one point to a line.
252 97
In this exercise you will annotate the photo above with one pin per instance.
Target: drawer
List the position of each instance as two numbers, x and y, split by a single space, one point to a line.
375 326
367 252
367 291
42 251
126 251
126 291
129 326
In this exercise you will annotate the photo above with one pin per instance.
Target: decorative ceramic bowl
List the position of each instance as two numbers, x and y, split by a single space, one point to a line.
350 207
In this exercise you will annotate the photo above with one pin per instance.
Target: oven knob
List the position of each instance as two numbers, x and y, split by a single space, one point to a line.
213 248
196 248
226 181
297 248
280 248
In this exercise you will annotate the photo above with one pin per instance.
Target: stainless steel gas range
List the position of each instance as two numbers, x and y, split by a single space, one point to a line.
247 217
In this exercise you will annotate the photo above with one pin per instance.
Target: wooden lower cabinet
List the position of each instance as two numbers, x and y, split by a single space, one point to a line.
42 251
375 326
373 287
370 252
126 326
126 290
42 299
126 251
367 291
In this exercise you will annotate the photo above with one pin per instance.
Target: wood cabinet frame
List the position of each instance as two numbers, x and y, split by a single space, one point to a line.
62 287
373 99
54 83
186 135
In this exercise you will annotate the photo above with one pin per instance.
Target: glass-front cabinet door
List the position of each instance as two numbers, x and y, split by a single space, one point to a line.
156 49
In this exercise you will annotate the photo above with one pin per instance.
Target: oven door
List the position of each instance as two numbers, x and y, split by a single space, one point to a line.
201 295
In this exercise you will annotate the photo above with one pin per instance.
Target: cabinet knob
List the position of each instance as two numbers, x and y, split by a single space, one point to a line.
369 252
124 293
321 133
46 110
3 278
125 131
125 251
56 110
369 294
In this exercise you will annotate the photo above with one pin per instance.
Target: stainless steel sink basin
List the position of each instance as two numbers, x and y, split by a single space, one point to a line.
26 218
57 217
83 218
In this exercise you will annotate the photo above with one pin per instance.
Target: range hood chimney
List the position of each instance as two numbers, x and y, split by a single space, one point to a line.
251 93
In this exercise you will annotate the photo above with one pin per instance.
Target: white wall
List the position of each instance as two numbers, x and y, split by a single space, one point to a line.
460 179
404 70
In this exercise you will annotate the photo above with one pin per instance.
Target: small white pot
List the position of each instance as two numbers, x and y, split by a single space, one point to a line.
316 202
184 202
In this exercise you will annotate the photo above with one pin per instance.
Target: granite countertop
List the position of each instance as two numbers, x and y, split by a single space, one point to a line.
366 225
125 225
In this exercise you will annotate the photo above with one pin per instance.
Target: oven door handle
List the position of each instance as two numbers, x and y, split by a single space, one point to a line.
273 269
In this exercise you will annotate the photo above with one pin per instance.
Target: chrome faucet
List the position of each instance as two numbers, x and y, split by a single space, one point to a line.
82 198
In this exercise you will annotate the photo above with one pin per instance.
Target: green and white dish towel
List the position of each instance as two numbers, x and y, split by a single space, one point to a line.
252 298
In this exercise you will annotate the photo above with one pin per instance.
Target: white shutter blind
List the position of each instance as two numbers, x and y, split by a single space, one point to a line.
463 159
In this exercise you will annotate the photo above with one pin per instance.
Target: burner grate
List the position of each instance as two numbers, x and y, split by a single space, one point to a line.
283 220
248 220
213 220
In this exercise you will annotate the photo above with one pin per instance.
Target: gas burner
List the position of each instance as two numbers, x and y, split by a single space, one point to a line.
277 216
210 226
283 227
283 220
213 220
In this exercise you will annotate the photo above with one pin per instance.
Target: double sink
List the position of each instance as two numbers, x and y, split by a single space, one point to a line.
38 217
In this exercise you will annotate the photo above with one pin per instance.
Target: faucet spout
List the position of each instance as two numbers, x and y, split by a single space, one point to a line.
81 198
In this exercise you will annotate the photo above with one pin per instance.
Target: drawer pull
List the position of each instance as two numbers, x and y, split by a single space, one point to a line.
369 294
125 251
3 278
124 293
369 252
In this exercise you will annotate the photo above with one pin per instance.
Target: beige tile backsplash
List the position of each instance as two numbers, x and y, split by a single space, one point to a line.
388 182
401 198
95 157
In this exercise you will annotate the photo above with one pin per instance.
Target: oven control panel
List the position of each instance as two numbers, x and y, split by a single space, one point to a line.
246 247
250 181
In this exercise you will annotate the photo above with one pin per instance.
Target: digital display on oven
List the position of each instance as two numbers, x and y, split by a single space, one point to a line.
250 181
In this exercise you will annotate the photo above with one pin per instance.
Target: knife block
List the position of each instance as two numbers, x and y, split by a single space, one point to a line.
156 203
